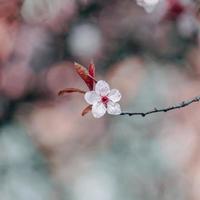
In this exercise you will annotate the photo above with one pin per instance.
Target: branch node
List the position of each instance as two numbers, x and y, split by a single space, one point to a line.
183 103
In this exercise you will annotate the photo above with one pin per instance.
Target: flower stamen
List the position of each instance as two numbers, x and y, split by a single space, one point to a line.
104 100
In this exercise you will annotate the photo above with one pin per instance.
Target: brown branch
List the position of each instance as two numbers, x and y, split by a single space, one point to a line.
70 90
155 110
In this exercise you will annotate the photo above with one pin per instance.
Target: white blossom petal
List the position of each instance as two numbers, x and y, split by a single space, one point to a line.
114 95
149 8
113 108
98 110
102 88
92 97
148 5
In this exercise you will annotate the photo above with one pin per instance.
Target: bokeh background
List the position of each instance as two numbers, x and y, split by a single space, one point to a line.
48 151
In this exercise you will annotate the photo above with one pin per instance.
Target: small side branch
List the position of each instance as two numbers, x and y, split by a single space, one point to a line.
155 110
70 90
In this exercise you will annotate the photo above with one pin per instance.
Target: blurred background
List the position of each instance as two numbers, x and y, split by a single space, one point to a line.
48 150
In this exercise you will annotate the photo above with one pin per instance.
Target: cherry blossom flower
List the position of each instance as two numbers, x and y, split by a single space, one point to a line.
103 99
99 97
148 5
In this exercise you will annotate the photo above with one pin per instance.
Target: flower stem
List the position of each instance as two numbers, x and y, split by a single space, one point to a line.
156 110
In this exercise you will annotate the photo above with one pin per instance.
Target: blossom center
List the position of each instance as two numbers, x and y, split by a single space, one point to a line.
104 100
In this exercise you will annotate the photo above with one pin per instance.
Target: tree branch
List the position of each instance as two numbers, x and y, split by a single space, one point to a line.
155 110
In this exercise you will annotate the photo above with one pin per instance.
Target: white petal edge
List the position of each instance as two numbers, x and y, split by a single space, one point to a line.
148 5
149 8
98 110
92 97
114 95
113 108
102 88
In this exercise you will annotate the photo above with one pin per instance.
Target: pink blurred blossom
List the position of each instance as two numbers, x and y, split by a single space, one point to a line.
50 13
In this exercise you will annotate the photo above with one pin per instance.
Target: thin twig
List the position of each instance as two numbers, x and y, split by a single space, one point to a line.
70 90
155 110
